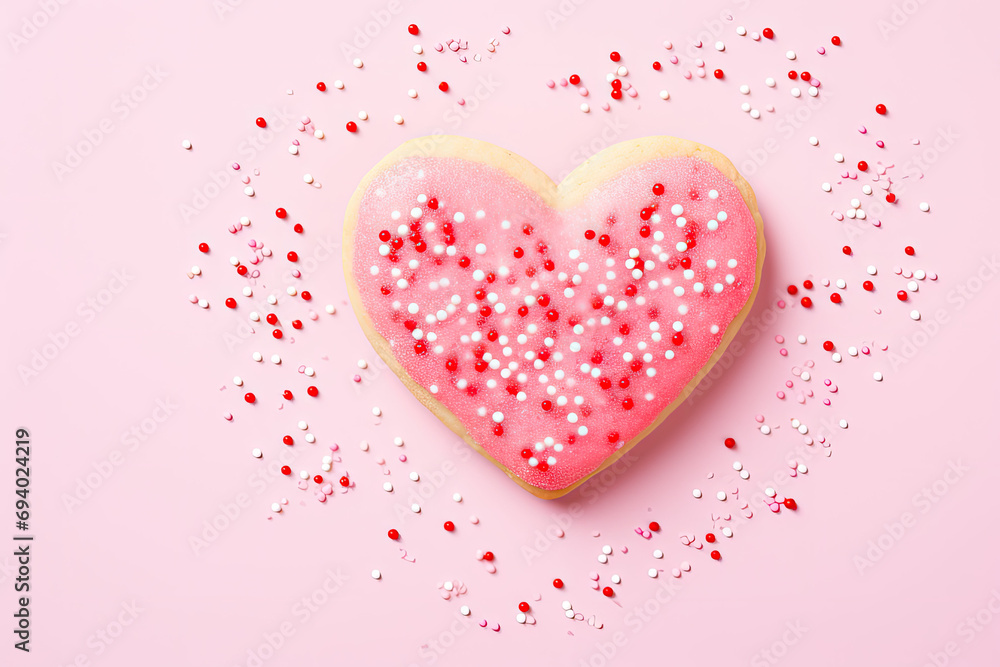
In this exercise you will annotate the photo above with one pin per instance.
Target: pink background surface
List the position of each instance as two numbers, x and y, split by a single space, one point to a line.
129 542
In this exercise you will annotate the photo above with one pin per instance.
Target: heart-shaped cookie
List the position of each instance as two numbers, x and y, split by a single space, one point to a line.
552 326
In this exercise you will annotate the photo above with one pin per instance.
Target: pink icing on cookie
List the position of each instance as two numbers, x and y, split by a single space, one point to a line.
554 336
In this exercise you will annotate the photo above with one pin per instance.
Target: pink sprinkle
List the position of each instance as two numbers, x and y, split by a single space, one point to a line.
334 447
236 166
826 401
402 458
474 520
862 129
563 82
781 395
674 60
583 91
821 51
228 416
760 419
779 339
781 303
783 352
550 83
357 378
505 30
789 384
880 143
595 576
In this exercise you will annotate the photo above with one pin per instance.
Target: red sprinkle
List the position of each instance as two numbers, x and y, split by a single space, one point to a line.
654 526
393 534
657 65
608 591
847 250
230 302
828 345
443 86
718 74
558 583
909 250
261 122
285 470
891 197
281 213
524 606
421 66
862 166
793 290
710 538
288 440
574 79
615 56
835 297
345 481
901 295
449 526
880 109
767 32
716 555
835 40
312 391
321 87
791 504
868 285
203 247
806 302
413 29
352 126
249 397
488 556
730 443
